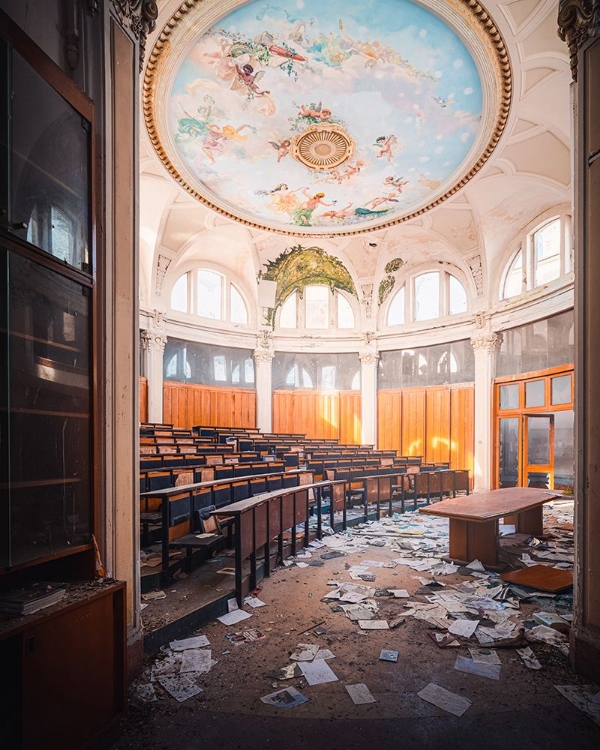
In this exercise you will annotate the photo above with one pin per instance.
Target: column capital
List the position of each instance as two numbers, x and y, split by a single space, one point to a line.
367 352
578 21
263 356
154 340
489 342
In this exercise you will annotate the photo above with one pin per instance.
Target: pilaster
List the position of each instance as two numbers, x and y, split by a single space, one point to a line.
485 347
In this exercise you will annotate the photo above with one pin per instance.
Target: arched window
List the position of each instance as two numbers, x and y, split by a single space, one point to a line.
209 294
318 308
543 257
427 296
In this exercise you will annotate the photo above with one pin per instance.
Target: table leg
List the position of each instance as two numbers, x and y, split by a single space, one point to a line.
528 522
470 541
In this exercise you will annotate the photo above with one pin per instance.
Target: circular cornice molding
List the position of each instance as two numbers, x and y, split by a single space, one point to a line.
480 34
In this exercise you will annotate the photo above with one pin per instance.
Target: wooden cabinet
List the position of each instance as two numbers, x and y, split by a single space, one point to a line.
63 681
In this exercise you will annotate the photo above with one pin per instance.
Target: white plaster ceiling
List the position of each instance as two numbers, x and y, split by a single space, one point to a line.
526 176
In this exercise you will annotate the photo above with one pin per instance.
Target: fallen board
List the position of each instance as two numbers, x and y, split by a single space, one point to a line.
541 577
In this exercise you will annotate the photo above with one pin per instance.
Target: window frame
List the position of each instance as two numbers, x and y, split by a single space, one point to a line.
332 311
227 282
410 297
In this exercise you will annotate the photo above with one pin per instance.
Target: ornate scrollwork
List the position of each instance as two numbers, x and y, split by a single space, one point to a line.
153 340
140 15
578 21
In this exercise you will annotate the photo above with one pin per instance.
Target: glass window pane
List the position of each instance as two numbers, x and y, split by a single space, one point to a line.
287 316
535 393
345 314
561 390
513 283
395 315
546 250
209 294
219 368
179 295
509 396
564 450
48 395
328 378
317 306
538 440
239 313
249 370
458 297
235 374
509 452
427 296
50 168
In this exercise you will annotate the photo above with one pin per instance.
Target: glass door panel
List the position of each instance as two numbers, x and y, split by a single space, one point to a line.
509 452
539 451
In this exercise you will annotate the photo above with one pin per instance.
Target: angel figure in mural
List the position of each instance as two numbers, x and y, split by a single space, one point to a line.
340 175
386 144
303 215
372 52
276 189
315 113
395 182
282 148
249 78
340 213
373 208
216 138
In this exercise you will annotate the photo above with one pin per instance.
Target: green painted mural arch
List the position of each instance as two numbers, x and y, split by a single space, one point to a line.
299 267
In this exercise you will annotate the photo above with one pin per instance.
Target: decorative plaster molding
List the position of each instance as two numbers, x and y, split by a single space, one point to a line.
480 27
368 353
476 267
578 21
162 266
159 318
153 340
489 342
263 356
140 17
367 292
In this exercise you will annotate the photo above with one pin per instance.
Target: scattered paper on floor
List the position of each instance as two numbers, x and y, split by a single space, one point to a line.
479 668
231 618
317 672
287 698
445 699
360 693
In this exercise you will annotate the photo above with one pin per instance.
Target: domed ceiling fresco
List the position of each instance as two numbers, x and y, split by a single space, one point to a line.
312 117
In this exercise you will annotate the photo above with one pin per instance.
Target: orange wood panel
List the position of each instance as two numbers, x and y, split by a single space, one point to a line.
350 404
185 405
462 428
437 424
389 419
413 422
143 399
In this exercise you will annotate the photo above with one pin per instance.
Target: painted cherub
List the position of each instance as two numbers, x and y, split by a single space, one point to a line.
390 197
396 182
340 213
385 144
303 215
250 79
282 148
317 113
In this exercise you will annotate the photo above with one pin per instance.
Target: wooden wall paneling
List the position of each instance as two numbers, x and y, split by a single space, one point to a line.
389 419
413 422
143 399
437 424
185 405
350 430
462 428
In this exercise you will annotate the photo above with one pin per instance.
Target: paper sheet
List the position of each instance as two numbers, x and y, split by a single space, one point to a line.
373 624
179 687
197 642
287 698
445 699
481 669
254 601
360 693
305 652
484 655
196 660
464 628
231 618
317 672
529 658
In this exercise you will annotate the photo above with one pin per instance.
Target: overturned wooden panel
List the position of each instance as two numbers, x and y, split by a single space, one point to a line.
541 577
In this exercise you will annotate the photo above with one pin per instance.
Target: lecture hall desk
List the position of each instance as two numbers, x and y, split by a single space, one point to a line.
473 533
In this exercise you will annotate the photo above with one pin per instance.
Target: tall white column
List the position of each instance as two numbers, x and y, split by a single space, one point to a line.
368 391
263 358
154 344
485 347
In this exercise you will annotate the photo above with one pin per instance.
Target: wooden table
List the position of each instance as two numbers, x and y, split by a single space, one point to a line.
474 520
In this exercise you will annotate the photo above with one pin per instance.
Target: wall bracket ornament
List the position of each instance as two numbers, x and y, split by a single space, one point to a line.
578 21
140 17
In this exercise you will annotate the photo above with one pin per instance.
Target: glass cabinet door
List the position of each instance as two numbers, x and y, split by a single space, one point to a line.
539 451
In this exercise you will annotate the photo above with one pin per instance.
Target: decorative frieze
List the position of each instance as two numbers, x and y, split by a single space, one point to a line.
162 266
367 294
476 268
